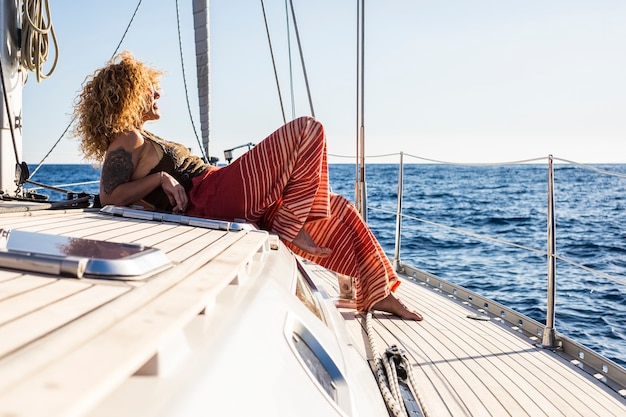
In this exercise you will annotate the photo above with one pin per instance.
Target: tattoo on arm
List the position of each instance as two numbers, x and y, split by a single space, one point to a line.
117 169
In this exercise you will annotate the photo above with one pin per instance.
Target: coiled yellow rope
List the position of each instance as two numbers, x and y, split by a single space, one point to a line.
36 30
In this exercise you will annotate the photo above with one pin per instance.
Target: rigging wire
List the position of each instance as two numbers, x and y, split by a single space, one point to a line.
182 64
132 18
37 28
53 147
293 100
74 118
306 78
269 41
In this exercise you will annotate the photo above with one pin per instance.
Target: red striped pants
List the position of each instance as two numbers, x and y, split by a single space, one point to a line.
282 185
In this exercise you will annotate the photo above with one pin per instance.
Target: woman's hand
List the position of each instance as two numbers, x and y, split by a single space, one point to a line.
175 192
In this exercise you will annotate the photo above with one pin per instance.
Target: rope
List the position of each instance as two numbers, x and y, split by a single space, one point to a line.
387 375
36 30
388 396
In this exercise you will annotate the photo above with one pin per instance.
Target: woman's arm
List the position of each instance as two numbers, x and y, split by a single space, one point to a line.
118 188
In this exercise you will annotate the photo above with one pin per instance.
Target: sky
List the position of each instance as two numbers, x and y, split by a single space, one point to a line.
456 81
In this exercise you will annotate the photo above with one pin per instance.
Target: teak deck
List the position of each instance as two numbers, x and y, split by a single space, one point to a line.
66 343
468 367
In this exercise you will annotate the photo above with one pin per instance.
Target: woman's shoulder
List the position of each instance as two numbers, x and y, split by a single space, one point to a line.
129 139
152 137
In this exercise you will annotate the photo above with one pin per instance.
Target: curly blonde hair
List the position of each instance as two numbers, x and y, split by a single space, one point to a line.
114 99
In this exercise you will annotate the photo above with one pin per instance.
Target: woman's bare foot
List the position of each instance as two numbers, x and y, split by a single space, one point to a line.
305 242
391 304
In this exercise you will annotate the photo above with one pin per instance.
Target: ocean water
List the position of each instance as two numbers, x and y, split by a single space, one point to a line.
487 213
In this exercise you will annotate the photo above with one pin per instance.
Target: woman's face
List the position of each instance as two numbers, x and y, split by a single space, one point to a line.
153 113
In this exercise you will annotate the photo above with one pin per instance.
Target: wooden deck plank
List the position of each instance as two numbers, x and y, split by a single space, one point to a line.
540 364
27 328
464 329
537 367
88 226
14 366
182 246
542 369
456 375
8 274
135 231
91 225
111 229
450 351
496 383
42 221
161 236
107 359
20 284
440 351
479 363
25 303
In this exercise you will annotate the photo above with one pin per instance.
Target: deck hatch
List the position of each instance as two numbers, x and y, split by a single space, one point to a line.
175 218
78 257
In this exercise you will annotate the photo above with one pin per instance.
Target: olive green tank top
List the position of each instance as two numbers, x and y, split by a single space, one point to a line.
177 161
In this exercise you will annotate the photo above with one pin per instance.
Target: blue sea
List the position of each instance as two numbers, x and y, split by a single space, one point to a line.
485 228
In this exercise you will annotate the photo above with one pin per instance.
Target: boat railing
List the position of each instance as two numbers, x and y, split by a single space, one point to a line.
545 334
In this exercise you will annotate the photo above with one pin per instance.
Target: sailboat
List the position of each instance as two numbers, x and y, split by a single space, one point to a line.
118 311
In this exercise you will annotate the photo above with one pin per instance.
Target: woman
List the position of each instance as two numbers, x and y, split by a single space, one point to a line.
281 184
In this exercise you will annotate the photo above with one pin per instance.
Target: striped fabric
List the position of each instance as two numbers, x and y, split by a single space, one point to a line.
356 252
282 184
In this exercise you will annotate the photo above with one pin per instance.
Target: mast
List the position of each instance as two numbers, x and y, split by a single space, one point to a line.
12 81
361 188
201 31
